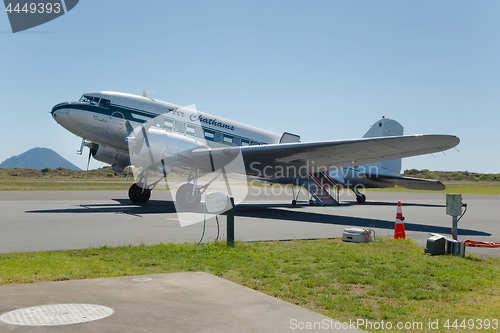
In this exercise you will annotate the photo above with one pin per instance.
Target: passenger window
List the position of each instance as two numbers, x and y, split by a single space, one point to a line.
218 137
228 139
169 124
209 135
180 126
236 142
198 132
159 122
245 143
190 129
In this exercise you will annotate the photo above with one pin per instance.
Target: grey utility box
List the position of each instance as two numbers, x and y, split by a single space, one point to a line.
436 245
455 247
453 204
357 235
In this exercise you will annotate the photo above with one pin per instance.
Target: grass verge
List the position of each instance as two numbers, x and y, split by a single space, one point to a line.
115 183
463 187
384 280
18 179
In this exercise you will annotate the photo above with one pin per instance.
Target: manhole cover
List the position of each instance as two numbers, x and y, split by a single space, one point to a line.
56 314
142 279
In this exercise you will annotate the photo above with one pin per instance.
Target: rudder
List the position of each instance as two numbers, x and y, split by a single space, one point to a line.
381 128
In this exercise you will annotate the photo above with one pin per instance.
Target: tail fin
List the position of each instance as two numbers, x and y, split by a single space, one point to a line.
384 127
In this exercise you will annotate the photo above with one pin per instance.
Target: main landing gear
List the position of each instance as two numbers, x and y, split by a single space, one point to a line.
140 192
138 195
188 196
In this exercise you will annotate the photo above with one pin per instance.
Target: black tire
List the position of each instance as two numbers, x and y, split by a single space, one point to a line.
294 202
361 198
137 195
184 196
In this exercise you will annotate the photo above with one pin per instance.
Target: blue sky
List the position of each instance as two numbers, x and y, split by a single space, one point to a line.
321 69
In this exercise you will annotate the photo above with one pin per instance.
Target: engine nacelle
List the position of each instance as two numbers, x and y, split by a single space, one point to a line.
118 160
160 145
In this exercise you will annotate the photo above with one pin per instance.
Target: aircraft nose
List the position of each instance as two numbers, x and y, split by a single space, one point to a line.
59 109
69 117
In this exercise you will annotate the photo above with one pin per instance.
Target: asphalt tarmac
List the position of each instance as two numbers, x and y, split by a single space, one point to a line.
194 302
54 220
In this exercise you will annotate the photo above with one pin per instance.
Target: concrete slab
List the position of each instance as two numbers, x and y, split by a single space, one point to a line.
179 302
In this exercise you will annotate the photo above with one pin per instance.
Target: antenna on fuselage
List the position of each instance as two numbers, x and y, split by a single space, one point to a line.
145 93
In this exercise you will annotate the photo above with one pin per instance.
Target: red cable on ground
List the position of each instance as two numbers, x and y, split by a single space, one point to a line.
473 243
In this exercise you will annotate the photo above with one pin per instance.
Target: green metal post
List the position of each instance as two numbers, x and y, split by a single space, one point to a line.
230 224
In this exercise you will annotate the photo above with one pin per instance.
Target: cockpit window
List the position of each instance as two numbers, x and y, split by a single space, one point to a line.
86 99
104 103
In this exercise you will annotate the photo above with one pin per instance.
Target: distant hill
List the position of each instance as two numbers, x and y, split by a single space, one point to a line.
38 158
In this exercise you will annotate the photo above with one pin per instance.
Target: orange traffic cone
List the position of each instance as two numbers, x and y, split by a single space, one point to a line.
399 227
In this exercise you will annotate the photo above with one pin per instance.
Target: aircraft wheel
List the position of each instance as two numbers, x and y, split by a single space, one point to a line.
361 198
311 202
294 202
185 198
137 195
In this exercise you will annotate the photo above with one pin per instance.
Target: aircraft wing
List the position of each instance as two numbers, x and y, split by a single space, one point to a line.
299 158
411 183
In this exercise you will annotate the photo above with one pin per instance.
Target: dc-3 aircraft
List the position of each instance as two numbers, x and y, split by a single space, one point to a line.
123 129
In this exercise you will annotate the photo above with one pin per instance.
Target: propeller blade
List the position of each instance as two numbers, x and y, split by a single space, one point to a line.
129 127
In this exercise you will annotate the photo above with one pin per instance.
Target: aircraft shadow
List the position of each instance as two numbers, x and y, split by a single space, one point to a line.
122 206
310 217
394 204
272 211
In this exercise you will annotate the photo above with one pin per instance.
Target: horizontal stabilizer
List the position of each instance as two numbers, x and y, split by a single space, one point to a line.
412 183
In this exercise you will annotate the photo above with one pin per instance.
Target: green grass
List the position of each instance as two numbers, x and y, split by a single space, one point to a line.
383 280
461 186
468 187
61 180
51 184
105 179
64 183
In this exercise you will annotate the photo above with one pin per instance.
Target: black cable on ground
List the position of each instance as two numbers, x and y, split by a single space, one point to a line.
204 225
218 229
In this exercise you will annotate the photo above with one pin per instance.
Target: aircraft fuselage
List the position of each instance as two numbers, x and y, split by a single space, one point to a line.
108 123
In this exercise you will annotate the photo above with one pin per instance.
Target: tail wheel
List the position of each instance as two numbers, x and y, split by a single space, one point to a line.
138 195
185 197
361 198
